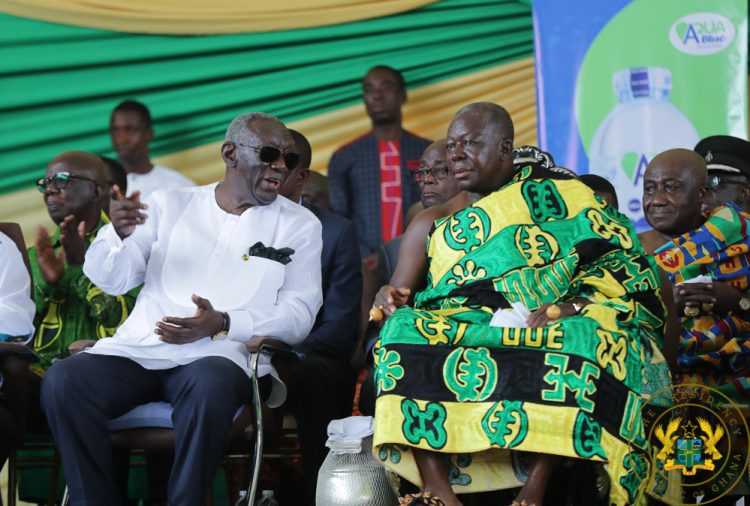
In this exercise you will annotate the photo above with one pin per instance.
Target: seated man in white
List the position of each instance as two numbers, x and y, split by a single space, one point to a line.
16 323
16 306
228 260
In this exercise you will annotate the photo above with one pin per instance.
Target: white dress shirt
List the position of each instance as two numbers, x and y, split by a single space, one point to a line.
158 178
189 245
16 307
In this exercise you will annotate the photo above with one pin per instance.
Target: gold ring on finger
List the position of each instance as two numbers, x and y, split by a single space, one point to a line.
376 313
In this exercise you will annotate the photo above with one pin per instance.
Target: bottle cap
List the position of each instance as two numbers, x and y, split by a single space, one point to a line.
637 82
267 493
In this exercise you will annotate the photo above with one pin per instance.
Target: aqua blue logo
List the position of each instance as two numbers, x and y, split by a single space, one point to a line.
702 33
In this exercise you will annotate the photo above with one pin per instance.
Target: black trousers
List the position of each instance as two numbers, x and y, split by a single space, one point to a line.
82 393
320 389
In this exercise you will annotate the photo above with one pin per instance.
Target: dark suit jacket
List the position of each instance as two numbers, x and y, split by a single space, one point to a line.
334 334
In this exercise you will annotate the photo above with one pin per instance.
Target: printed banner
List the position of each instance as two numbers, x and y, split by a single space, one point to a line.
620 81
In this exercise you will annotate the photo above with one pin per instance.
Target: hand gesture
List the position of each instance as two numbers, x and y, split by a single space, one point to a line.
706 297
51 266
72 240
389 298
126 212
206 322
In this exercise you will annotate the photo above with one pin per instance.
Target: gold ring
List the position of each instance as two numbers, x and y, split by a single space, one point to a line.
376 313
708 307
553 312
691 312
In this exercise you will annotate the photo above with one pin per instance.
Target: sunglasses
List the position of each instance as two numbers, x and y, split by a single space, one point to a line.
437 173
59 181
269 154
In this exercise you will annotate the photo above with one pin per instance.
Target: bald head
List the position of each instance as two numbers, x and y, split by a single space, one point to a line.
480 148
495 117
81 163
673 189
681 160
436 148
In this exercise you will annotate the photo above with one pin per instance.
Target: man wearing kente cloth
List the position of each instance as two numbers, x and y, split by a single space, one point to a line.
449 383
71 312
707 259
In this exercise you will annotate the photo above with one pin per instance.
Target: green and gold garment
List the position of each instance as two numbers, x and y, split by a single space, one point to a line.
448 382
72 309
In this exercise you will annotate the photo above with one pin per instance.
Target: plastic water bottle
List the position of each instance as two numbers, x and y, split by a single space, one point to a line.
267 499
643 124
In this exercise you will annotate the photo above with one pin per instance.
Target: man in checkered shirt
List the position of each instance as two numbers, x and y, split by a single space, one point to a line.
370 177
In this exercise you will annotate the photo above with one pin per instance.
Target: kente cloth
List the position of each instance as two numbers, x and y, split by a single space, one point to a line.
714 349
448 382
391 203
73 308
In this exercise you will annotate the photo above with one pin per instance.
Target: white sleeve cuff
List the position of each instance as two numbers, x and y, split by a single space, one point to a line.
241 326
108 233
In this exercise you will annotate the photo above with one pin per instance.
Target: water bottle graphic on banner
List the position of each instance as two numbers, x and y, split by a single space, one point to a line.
643 124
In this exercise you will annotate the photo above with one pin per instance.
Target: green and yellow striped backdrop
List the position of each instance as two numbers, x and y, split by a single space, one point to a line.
60 82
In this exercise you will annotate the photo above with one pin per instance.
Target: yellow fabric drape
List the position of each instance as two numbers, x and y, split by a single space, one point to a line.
427 113
202 17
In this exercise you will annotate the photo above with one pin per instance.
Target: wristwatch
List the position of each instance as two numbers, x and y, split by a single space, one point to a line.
744 303
222 334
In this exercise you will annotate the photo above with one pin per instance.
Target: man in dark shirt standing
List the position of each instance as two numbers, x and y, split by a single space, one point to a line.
370 177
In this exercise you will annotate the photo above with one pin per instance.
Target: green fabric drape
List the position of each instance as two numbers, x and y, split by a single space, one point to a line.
60 83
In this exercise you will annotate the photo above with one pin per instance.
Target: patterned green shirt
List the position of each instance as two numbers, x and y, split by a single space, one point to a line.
72 309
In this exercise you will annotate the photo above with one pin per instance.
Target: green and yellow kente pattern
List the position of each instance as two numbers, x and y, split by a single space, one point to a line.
73 308
450 383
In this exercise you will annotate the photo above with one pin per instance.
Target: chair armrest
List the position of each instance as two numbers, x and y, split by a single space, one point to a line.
280 354
272 346
283 358
255 343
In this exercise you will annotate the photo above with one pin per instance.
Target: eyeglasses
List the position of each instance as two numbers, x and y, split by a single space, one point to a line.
437 173
715 181
59 181
269 154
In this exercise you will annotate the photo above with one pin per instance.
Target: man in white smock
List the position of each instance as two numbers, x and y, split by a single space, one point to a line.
219 264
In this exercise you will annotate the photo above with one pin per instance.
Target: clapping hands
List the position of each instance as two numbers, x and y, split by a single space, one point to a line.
72 239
